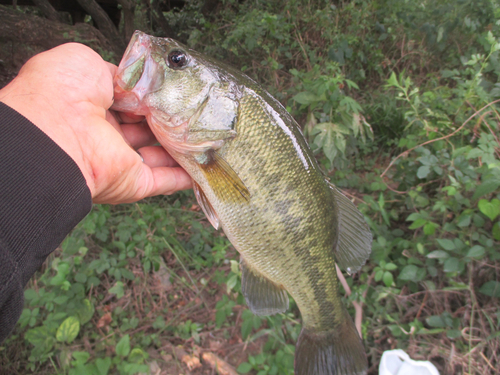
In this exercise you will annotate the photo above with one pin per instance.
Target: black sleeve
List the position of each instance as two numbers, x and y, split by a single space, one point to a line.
43 195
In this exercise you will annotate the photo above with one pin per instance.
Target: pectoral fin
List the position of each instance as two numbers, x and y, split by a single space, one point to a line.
223 179
355 239
262 295
205 205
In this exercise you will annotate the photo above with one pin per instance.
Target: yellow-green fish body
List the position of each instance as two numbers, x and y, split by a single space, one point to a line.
255 176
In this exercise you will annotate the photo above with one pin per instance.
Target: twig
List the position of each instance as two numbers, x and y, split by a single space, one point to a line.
303 49
350 195
438 139
401 58
221 366
358 307
422 305
487 361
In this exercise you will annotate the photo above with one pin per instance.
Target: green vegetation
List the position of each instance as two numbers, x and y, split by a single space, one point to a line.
400 101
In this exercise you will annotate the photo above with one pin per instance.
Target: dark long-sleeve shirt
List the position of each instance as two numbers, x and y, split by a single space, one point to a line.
43 195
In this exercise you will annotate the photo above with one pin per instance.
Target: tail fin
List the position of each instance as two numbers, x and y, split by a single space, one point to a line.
336 352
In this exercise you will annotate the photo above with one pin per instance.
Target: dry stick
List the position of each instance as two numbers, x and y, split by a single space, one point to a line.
218 364
438 139
357 306
301 42
487 361
487 125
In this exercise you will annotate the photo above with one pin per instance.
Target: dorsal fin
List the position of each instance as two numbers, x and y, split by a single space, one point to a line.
355 239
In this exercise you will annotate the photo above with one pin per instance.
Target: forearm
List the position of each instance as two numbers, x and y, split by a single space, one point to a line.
43 195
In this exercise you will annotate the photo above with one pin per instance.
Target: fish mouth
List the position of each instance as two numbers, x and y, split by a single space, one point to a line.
136 76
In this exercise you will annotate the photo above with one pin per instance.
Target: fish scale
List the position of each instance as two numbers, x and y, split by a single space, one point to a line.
255 176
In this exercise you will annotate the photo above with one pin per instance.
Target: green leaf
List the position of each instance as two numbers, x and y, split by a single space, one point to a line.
451 265
393 80
80 277
487 187
388 278
305 97
438 254
430 228
85 312
137 355
491 288
231 283
40 337
244 368
476 252
390 267
446 244
417 224
490 209
453 333
68 330
408 273
423 171
435 321
60 300
414 216
123 347
103 365
496 231
117 289
80 358
464 221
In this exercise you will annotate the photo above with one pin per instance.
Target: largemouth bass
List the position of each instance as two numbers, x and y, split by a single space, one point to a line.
255 176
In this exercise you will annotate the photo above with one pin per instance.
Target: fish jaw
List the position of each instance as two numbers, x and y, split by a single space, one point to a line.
137 76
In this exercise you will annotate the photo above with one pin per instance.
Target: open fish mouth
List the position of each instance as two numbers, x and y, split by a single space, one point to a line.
137 75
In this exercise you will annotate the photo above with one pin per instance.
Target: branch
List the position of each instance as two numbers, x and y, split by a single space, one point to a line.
128 17
48 11
358 307
438 139
104 24
159 18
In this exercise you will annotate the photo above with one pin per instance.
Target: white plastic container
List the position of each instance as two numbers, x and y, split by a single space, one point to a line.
397 362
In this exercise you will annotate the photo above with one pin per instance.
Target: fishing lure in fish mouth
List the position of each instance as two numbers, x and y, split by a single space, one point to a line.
255 177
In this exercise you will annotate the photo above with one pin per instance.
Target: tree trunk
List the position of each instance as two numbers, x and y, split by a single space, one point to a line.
48 10
104 23
21 28
159 18
128 17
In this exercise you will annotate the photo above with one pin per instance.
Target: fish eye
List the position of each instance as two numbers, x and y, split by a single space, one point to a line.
176 59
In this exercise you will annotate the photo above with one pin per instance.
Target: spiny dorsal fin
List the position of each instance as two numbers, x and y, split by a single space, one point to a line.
205 205
355 239
223 179
262 295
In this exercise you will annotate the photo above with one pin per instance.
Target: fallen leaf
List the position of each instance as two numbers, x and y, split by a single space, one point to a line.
105 320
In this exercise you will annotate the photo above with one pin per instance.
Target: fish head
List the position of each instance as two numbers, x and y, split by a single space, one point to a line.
190 103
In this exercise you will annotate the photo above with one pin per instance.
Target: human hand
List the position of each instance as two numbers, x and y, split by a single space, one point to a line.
66 92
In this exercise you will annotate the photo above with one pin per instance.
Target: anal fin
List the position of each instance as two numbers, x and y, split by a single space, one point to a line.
355 238
205 205
262 295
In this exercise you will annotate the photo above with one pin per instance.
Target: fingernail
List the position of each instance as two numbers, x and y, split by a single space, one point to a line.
142 158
